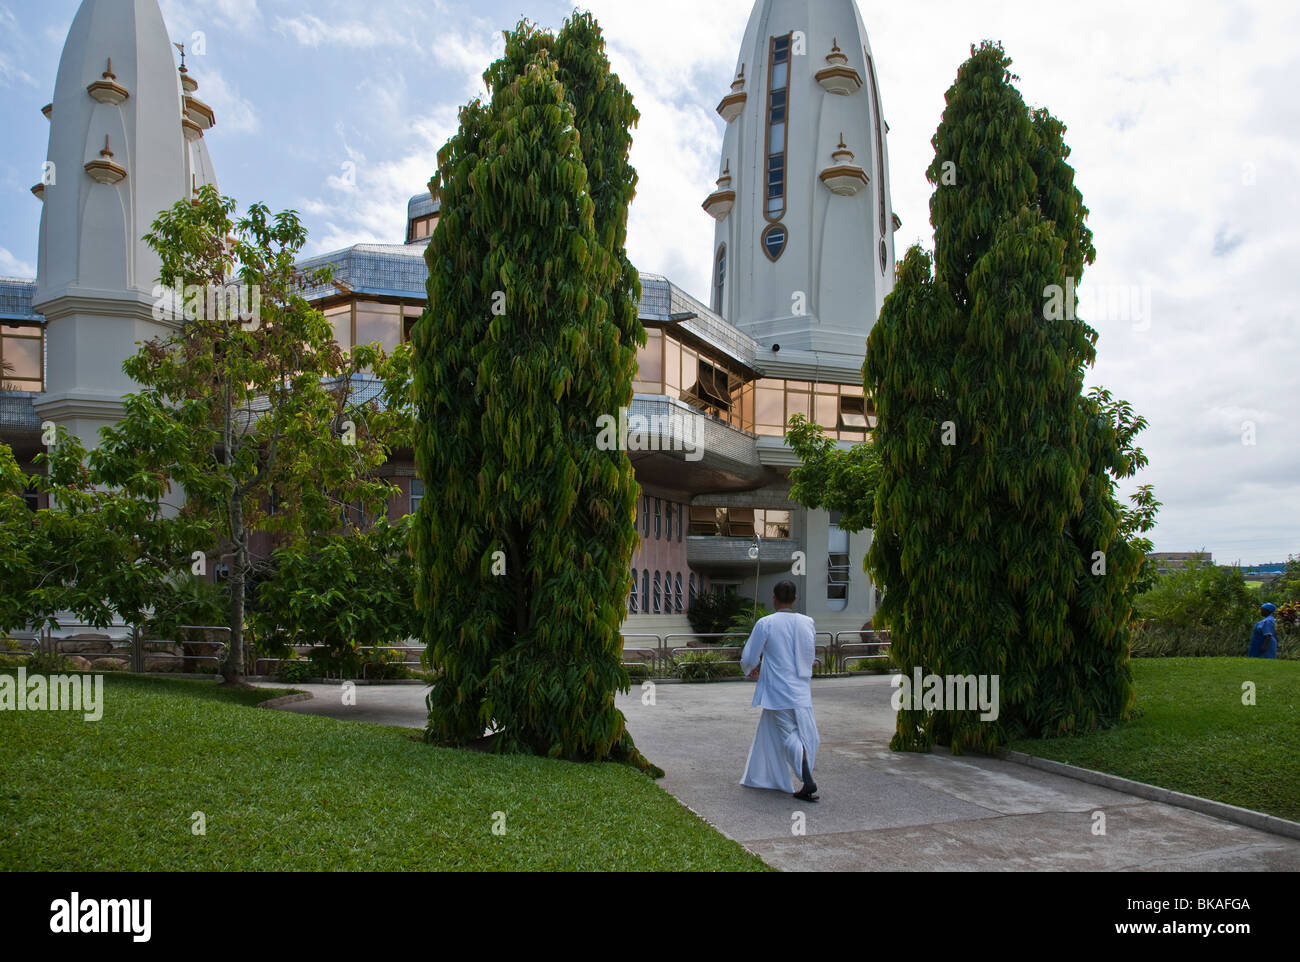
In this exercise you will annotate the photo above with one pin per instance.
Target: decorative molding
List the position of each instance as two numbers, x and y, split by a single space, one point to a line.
39 191
719 203
104 170
733 105
107 90
844 177
48 110
838 77
199 112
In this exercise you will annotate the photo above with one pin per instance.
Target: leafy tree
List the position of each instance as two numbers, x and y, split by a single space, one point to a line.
244 415
1284 587
343 589
997 533
524 544
832 478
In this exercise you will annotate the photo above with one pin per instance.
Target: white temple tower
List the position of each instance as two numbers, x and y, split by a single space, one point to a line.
126 142
804 245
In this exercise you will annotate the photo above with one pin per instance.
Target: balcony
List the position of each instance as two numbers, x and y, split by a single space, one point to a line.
676 446
721 555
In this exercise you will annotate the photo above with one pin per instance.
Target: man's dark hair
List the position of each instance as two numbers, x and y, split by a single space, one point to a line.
784 592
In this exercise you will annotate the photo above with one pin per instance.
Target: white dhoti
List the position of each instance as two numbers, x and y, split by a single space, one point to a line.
784 735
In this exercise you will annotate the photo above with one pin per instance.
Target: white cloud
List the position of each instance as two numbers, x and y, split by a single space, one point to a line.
234 114
312 31
11 266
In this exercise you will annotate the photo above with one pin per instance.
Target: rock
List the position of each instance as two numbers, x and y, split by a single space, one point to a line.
110 664
77 663
86 644
163 662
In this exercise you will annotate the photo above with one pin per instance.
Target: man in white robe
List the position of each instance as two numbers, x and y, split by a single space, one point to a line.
785 644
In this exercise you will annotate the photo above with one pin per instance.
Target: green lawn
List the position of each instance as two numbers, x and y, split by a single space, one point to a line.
284 791
1194 734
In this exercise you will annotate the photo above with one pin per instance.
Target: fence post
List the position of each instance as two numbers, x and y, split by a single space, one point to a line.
137 649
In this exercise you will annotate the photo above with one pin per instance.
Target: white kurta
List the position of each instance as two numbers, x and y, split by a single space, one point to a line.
786 643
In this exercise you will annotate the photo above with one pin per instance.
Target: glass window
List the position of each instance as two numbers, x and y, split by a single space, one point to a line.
645 591
645 516
672 367
417 493
658 518
775 523
719 278
340 319
769 403
704 520
381 323
677 593
632 598
827 411
853 414
658 597
23 355
694 588
796 402
774 239
650 360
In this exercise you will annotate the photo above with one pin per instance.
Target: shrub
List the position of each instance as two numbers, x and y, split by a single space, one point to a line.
296 670
704 666
1199 610
713 611
744 621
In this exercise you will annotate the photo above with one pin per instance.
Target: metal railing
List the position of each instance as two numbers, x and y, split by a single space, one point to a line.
834 654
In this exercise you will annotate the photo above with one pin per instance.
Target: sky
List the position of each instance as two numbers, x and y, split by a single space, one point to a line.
1182 119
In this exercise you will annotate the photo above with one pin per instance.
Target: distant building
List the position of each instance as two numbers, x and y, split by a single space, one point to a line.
1167 561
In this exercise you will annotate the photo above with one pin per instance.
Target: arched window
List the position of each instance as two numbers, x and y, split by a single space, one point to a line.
677 593
719 278
633 600
658 596
694 590
645 516
645 591
659 508
668 522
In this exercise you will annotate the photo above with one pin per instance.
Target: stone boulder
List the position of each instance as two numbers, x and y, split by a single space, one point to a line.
162 661
77 663
85 644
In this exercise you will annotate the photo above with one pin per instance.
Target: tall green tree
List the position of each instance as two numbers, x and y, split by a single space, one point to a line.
524 540
998 537
244 416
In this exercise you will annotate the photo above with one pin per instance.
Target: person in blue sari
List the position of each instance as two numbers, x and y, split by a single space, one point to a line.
1263 640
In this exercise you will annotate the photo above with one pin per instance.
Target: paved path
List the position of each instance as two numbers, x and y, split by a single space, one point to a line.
881 810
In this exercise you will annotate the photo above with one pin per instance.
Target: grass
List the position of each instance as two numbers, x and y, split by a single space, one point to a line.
1194 735
284 791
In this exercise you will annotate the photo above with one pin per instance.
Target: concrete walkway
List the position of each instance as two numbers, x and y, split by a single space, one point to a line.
881 810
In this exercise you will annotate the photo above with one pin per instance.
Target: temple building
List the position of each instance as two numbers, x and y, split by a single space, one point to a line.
802 259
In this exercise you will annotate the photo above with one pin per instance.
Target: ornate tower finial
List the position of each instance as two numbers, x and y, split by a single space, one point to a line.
108 71
181 48
106 152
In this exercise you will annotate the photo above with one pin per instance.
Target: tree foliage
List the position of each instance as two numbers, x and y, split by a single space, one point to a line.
998 537
833 478
525 538
341 589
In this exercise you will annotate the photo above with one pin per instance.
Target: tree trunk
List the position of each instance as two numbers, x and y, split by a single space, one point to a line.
234 670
